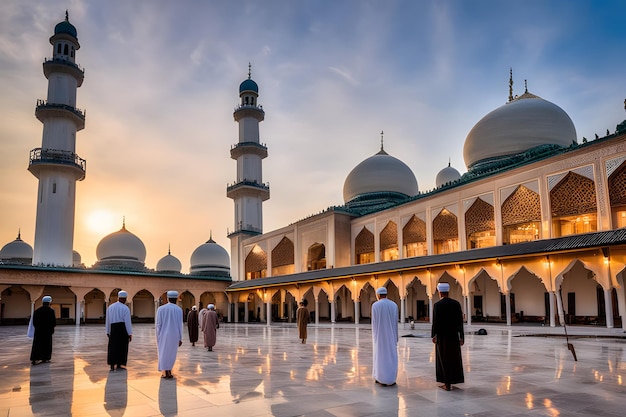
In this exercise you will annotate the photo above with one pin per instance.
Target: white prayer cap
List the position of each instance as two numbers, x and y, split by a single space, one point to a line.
381 290
194 308
211 306
443 287
122 294
172 294
46 299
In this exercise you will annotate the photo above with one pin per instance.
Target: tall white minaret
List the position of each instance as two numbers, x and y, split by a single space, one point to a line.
248 191
55 164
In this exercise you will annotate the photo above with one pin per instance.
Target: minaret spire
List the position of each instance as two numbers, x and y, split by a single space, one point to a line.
67 16
510 85
249 70
525 86
382 141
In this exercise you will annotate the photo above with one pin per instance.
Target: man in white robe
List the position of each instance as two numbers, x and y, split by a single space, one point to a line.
169 333
385 339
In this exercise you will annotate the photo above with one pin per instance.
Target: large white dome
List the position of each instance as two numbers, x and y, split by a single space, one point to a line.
518 126
169 263
17 250
380 173
446 176
210 259
121 246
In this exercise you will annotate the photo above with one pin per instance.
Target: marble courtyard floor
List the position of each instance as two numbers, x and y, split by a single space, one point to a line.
256 370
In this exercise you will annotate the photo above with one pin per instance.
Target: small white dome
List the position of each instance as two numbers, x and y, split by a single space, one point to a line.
210 259
518 126
17 250
380 173
121 246
447 175
169 263
77 260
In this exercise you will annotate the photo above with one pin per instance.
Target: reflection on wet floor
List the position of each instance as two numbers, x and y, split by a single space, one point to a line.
256 370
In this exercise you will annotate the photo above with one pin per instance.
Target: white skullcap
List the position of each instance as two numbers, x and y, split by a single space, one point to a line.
46 299
381 290
211 306
443 287
172 294
194 308
122 294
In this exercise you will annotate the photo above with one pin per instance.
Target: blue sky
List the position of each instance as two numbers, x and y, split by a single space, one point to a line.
162 77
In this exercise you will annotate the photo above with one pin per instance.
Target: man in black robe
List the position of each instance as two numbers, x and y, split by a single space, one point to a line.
192 325
448 337
44 321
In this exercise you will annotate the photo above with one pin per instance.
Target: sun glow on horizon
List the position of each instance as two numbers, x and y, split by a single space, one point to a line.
102 222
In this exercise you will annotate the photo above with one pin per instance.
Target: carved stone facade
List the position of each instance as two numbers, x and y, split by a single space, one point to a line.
414 231
364 242
445 226
573 195
283 253
522 206
389 236
479 217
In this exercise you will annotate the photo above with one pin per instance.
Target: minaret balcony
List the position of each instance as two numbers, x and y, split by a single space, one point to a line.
45 158
248 188
248 148
248 230
45 110
247 110
58 65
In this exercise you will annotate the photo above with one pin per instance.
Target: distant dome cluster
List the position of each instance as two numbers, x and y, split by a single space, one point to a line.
123 250
523 125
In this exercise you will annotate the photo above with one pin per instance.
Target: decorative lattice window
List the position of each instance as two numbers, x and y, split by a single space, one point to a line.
256 260
389 236
414 231
617 186
523 206
573 195
445 226
479 217
364 242
283 253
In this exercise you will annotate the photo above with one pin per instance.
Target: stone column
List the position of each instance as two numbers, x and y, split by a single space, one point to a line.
402 309
608 308
356 312
332 311
507 298
268 312
317 311
552 312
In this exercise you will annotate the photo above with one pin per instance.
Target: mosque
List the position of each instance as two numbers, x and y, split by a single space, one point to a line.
533 232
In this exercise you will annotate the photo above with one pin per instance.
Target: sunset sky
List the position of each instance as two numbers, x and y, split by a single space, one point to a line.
162 79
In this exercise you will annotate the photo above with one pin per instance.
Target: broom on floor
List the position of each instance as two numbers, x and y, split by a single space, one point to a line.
569 345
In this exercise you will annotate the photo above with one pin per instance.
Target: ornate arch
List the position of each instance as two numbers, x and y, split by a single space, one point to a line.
256 263
364 247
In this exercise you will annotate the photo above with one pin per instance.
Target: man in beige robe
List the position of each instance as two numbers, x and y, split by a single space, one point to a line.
209 327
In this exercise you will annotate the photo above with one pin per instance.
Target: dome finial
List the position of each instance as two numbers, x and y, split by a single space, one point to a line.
169 248
382 134
510 85
525 86
449 161
67 16
249 70
123 222
19 234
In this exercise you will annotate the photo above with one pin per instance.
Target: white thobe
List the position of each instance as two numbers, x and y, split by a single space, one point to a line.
118 313
169 331
385 341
